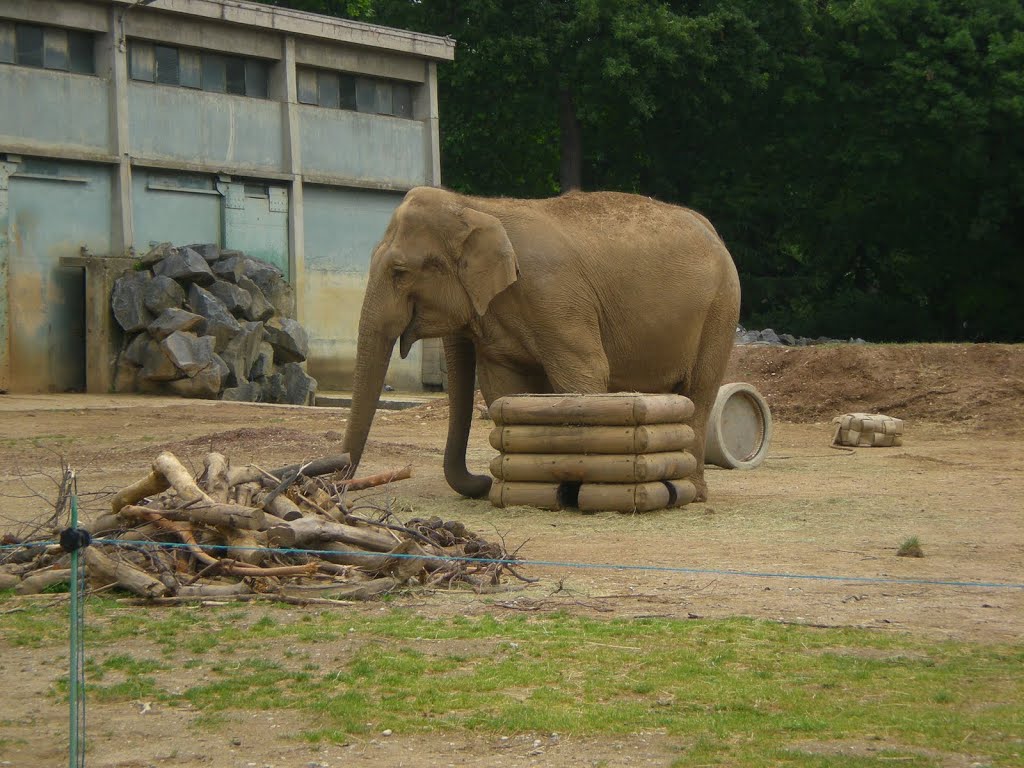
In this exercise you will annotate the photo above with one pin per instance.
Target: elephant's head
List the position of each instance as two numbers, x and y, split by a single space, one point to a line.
439 265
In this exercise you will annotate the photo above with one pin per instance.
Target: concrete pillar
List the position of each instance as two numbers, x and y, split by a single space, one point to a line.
6 375
122 229
293 156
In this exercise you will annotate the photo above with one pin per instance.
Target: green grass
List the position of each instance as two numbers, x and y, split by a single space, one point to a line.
733 692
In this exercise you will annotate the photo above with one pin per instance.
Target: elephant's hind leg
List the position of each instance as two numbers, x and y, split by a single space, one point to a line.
702 387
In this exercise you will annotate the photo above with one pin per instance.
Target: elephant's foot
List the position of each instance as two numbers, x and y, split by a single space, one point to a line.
473 486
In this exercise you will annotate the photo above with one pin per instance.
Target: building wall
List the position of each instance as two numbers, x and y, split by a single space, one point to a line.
309 188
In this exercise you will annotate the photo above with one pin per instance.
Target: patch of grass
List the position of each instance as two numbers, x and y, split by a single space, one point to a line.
911 547
734 692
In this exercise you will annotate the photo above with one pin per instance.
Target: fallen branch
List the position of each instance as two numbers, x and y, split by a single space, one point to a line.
372 481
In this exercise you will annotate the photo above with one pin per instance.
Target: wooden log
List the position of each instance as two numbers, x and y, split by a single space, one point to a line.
217 476
283 507
152 484
309 532
653 438
180 479
556 467
221 515
641 497
246 546
9 580
363 590
617 409
244 493
104 523
372 481
40 580
322 499
540 495
268 479
347 555
214 590
105 570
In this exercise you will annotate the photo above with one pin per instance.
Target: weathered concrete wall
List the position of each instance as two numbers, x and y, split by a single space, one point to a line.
361 147
342 228
167 211
38 107
171 123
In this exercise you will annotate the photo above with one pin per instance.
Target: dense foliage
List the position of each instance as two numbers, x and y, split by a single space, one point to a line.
863 159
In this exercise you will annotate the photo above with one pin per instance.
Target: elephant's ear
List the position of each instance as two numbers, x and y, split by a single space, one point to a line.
488 262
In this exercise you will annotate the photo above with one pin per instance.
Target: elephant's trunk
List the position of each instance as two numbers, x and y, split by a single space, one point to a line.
372 358
461 358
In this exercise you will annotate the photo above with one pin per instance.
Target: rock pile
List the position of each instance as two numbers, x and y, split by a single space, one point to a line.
769 337
210 323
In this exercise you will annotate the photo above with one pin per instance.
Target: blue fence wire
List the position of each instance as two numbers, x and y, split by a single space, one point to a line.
943 582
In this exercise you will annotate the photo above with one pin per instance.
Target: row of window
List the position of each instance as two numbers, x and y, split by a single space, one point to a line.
74 51
337 90
203 70
49 47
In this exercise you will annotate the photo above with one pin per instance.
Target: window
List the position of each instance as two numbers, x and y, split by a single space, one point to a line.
30 45
204 70
338 90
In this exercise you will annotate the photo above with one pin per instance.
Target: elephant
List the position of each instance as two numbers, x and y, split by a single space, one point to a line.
587 292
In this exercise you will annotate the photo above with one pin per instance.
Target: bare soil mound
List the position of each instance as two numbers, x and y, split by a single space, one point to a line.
979 385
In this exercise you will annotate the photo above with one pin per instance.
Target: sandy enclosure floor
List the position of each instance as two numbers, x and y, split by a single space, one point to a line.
957 484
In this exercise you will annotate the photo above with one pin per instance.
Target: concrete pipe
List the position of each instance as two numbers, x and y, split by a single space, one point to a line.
739 428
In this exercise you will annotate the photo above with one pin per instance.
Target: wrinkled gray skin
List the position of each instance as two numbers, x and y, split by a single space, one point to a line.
586 293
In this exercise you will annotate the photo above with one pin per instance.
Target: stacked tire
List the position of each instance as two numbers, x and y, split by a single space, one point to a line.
615 452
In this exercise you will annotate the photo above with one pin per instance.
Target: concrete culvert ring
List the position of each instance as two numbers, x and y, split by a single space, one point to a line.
739 428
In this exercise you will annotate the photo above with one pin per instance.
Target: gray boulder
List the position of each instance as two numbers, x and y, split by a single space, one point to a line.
173 319
208 251
288 338
162 293
273 388
229 268
135 352
259 307
250 392
155 254
787 339
264 363
188 352
220 323
281 296
186 265
127 300
156 364
769 336
299 388
241 352
206 383
260 272
237 300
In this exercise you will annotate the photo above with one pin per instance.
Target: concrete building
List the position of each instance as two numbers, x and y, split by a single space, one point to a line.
126 123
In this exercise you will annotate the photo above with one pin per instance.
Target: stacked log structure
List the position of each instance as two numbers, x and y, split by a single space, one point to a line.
622 452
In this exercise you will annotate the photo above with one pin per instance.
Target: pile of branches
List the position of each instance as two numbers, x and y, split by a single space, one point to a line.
245 533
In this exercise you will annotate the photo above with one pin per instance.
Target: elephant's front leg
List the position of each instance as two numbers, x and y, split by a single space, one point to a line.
460 356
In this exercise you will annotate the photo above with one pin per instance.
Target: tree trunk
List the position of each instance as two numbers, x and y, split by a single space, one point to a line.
571 166
461 358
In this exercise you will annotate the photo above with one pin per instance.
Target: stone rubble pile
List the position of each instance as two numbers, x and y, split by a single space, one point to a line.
770 338
210 323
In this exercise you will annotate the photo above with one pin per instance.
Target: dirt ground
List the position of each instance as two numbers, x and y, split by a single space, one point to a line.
833 517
